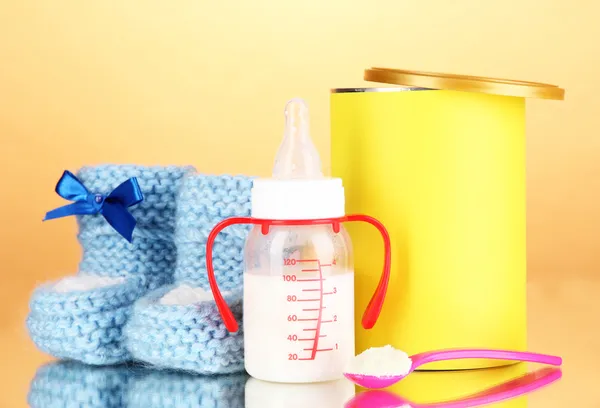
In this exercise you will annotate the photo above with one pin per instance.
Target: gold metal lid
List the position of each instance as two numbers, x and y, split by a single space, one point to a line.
465 83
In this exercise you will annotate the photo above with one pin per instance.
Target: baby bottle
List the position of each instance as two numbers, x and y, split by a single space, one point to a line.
298 268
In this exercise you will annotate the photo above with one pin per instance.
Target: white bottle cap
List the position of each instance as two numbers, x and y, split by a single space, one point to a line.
298 189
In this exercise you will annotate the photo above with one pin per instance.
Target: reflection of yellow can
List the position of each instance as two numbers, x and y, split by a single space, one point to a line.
435 387
442 164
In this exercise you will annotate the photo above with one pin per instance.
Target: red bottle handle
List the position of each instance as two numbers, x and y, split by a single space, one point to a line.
375 304
225 311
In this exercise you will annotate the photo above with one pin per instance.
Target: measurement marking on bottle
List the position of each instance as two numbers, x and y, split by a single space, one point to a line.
316 268
312 338
314 350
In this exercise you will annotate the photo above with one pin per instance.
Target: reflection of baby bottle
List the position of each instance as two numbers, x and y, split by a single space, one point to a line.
332 394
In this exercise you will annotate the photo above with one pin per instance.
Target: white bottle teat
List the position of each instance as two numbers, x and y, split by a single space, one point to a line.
297 157
297 190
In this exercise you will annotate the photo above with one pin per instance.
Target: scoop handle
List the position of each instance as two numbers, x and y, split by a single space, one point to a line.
376 303
458 354
224 310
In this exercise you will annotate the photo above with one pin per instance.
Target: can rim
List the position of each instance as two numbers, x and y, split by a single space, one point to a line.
468 83
388 89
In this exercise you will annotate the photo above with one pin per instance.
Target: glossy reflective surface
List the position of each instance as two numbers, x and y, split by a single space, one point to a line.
67 384
563 320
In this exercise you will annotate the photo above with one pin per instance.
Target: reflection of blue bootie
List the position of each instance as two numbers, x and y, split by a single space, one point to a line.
179 326
81 317
179 390
72 384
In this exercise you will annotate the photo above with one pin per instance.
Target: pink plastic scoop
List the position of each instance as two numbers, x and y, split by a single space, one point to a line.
373 381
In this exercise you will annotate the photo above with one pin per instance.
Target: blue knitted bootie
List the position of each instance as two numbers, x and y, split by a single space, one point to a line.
81 317
179 326
165 389
72 384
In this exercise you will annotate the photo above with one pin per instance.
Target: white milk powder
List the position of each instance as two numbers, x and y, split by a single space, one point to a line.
292 333
380 361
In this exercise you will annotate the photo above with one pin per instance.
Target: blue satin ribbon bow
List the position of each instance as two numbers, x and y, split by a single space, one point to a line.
112 206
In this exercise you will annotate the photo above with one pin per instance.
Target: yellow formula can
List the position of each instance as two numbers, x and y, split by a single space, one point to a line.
440 161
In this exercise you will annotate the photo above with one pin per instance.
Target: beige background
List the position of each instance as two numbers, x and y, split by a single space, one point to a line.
157 81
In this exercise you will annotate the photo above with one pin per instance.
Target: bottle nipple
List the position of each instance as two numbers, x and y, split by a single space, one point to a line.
297 157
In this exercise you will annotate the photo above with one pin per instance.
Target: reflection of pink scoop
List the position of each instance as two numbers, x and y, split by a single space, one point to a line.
373 381
510 389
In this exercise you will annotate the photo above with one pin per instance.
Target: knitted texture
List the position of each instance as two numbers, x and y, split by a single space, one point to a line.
203 202
164 389
83 325
185 337
86 325
152 253
194 337
74 385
